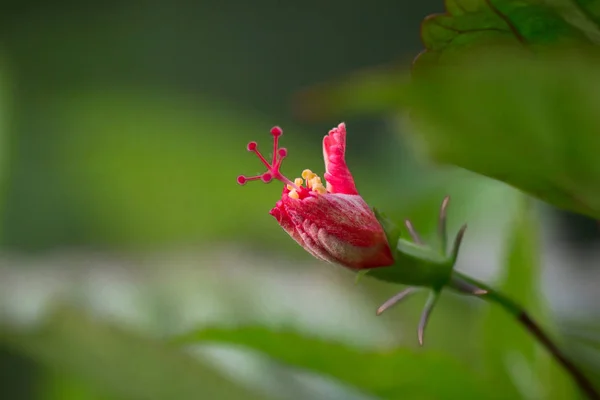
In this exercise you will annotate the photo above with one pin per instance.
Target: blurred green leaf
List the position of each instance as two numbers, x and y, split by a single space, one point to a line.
583 340
118 363
466 25
577 9
591 8
390 374
511 106
480 22
512 355
585 332
530 122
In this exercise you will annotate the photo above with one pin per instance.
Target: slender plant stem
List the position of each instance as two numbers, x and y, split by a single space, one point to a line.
542 337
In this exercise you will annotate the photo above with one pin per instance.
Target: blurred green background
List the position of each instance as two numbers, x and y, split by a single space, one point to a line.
123 126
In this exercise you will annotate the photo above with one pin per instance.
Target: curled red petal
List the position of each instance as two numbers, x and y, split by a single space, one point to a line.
281 215
338 176
338 228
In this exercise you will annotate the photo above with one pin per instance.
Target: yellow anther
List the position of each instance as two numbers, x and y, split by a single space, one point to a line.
298 182
293 194
320 189
314 181
308 174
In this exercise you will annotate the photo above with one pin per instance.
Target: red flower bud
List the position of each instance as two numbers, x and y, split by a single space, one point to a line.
332 222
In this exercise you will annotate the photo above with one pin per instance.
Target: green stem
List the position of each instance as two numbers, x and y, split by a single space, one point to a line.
535 329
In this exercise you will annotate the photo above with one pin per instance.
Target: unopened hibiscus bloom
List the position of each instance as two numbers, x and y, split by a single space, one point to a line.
329 219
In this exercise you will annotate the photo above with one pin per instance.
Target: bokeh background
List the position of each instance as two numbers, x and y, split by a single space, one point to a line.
123 126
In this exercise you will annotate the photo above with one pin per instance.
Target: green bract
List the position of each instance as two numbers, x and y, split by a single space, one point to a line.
419 265
415 262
